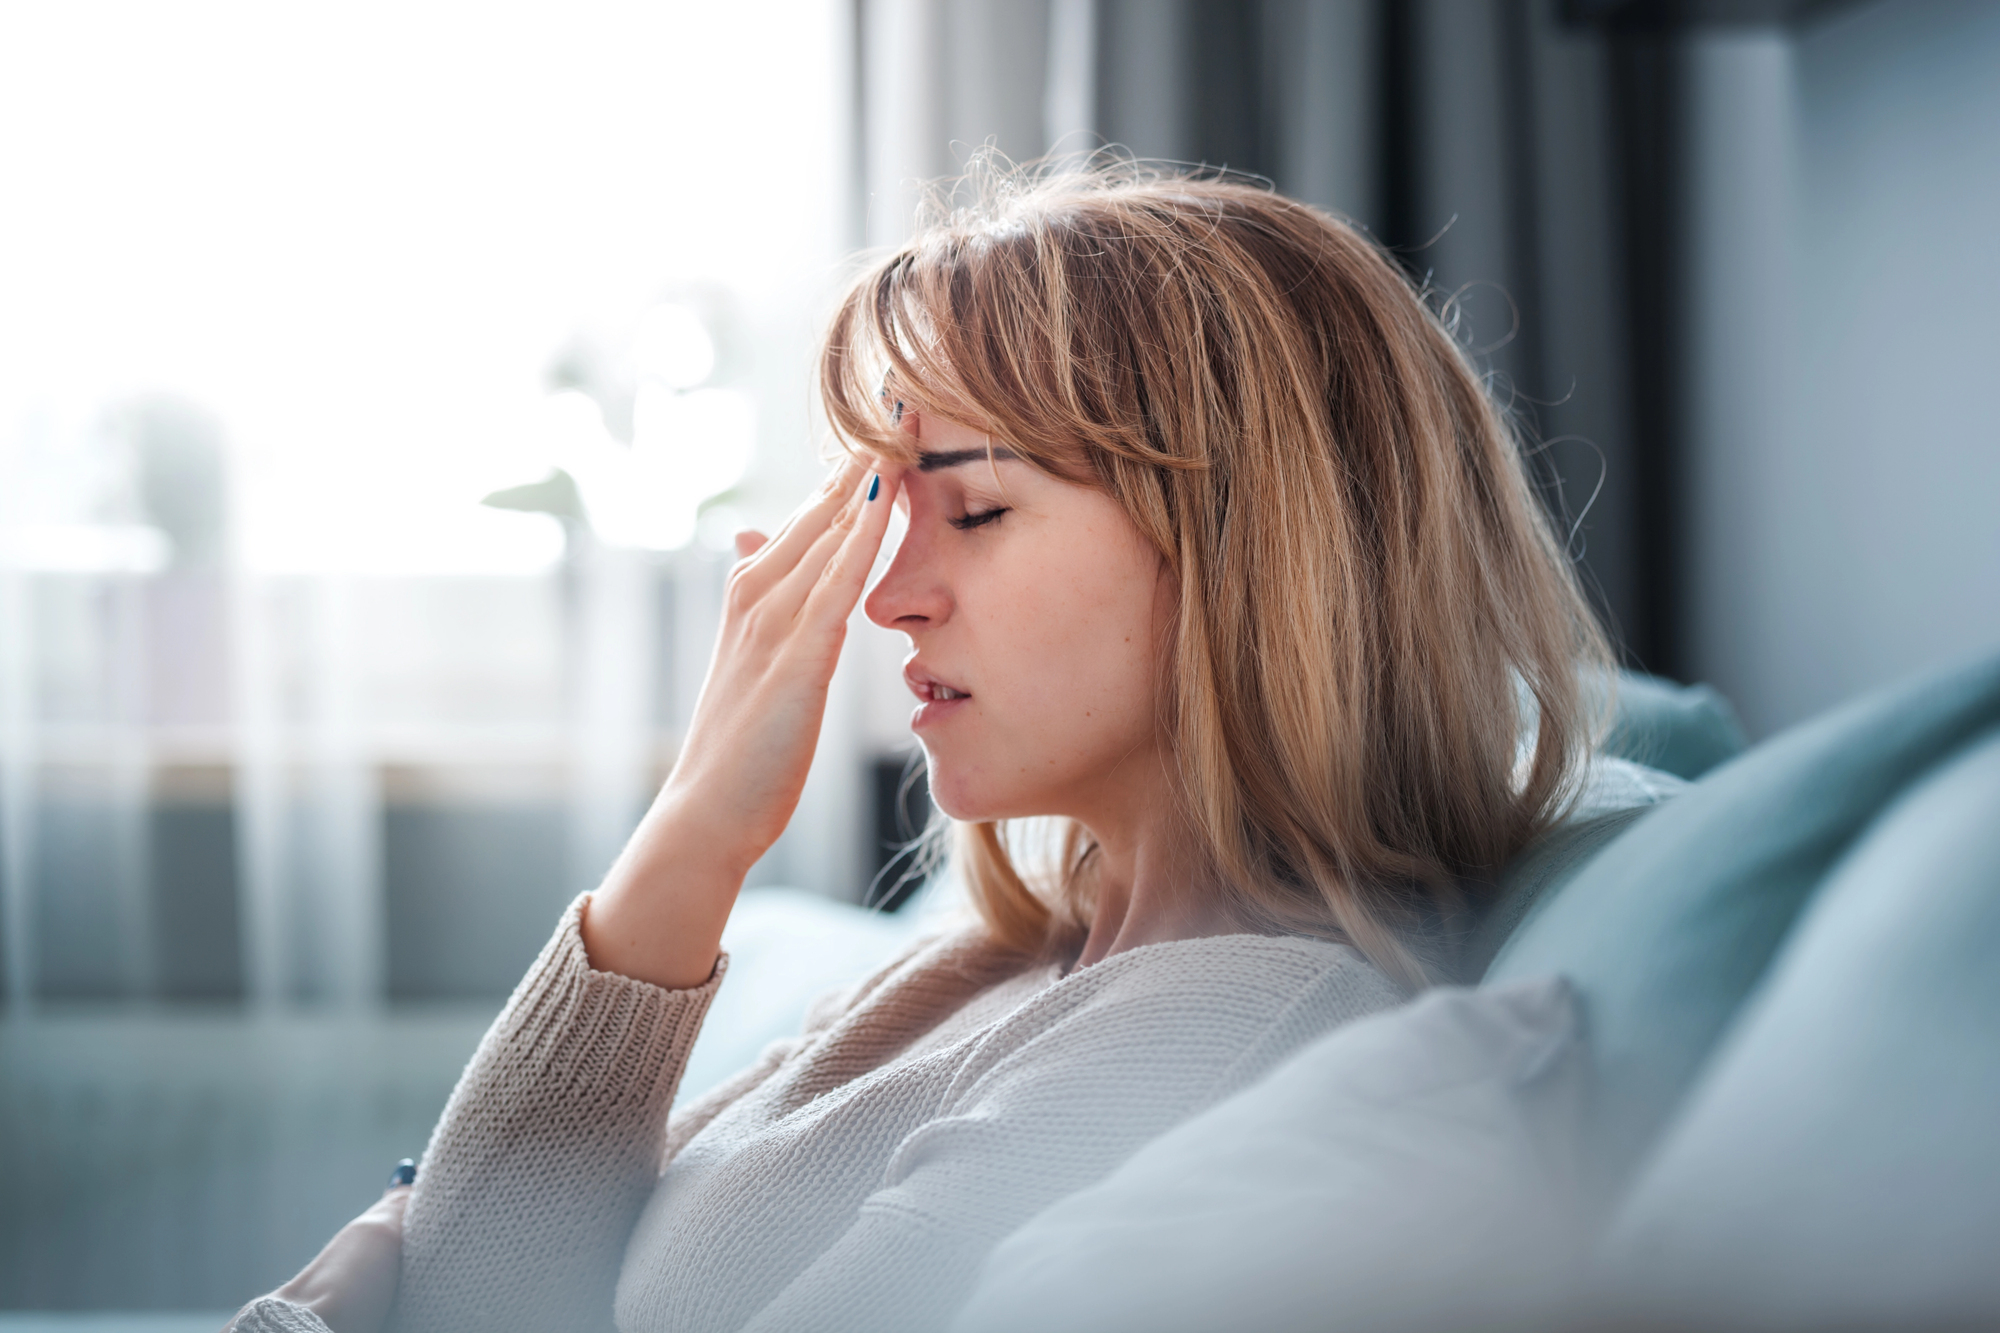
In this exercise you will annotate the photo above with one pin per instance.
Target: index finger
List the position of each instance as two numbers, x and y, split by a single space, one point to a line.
839 586
777 557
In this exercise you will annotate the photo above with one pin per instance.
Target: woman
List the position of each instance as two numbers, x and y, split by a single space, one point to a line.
1218 554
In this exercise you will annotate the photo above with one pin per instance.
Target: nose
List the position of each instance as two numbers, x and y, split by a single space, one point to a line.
913 593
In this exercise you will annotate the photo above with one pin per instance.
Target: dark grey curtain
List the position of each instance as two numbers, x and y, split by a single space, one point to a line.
1526 159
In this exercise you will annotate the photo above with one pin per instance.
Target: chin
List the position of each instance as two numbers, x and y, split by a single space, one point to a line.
963 797
952 799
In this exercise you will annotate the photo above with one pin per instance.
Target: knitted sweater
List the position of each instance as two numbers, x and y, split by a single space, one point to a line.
857 1175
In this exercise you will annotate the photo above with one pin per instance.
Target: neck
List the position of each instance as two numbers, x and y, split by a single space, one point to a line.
1146 880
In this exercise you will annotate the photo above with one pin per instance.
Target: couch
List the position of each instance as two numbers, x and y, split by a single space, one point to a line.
1780 1109
1784 1106
1790 980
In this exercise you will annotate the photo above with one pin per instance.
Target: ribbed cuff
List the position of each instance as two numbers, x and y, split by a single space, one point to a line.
618 1036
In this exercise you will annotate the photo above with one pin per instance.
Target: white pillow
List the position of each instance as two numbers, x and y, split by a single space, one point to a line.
1412 1170
786 947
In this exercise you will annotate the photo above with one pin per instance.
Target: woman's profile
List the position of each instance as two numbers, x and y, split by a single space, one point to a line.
1220 558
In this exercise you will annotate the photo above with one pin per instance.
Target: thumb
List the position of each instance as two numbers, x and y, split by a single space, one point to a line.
748 542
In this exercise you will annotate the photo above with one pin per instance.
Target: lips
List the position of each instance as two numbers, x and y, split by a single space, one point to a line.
936 697
930 687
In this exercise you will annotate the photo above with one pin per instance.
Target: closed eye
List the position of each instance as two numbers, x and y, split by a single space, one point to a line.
979 520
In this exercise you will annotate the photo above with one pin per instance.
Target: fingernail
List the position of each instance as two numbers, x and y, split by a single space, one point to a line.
896 417
404 1174
875 486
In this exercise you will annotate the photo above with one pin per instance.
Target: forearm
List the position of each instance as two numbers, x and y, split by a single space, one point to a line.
659 914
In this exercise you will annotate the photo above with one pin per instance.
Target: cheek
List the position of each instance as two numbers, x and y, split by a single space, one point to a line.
1069 686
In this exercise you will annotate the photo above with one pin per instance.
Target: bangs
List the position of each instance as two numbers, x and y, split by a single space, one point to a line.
981 326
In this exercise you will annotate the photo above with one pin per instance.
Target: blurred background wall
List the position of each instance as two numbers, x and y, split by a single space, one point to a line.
378 393
1727 261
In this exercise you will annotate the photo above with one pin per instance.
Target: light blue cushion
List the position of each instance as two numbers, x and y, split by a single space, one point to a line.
1663 735
1616 793
1670 925
1685 730
1839 1162
787 947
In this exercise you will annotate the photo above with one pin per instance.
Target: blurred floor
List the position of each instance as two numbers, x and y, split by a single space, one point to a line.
188 1160
93 1322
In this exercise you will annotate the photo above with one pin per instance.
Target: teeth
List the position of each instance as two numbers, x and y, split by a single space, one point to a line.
947 692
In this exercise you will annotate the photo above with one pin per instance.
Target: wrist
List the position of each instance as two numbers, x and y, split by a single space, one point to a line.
659 914
720 807
683 838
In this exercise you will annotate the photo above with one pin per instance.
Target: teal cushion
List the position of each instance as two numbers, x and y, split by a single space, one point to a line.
1681 729
1550 862
1837 1162
1615 792
1666 929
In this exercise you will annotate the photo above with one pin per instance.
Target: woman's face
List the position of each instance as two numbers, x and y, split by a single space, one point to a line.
1038 615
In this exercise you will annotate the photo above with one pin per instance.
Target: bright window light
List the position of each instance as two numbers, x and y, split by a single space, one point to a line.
361 235
673 346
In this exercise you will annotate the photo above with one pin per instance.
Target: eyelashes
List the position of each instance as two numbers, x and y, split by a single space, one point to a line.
969 521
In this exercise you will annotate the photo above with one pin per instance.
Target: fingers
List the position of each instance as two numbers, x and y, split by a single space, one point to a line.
828 581
783 600
779 556
846 576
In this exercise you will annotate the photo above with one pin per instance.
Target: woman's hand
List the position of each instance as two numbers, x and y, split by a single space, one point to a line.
660 912
350 1283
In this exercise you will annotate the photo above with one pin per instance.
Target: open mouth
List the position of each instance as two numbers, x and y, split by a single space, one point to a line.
931 690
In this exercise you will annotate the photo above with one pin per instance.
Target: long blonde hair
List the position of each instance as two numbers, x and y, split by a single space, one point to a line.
1377 689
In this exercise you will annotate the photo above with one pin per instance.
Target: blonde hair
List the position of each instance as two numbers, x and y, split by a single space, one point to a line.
1375 692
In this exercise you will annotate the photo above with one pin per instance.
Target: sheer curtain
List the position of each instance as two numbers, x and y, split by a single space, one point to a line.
379 390
287 296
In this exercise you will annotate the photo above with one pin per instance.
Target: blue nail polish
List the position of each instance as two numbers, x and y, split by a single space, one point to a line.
896 418
875 486
404 1174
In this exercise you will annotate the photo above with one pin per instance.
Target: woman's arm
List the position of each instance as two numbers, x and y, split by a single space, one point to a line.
547 1150
552 1139
659 915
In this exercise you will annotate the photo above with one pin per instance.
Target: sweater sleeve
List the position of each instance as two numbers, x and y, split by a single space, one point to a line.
547 1150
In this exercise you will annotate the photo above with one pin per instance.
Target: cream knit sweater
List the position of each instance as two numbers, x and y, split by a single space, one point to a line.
857 1175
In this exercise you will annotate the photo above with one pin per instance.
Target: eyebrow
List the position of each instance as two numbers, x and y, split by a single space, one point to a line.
934 462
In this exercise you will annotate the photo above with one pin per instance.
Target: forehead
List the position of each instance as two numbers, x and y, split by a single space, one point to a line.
936 433
943 444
